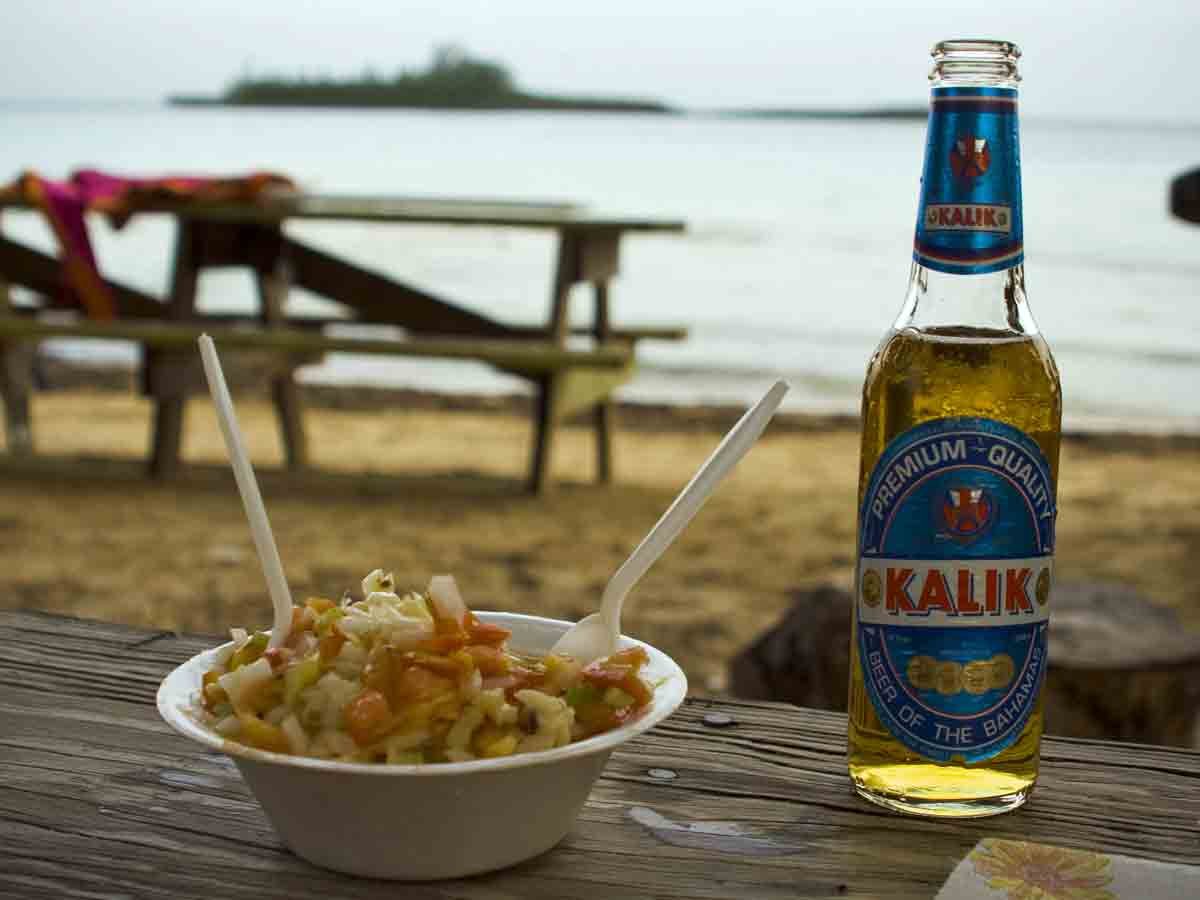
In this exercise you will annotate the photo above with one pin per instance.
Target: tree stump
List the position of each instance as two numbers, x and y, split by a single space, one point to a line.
804 658
1121 667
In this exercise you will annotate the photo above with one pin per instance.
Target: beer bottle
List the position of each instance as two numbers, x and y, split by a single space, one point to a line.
961 422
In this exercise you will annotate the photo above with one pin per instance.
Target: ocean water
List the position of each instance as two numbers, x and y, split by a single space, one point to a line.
794 264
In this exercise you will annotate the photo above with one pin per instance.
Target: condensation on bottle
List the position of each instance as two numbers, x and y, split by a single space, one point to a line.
961 424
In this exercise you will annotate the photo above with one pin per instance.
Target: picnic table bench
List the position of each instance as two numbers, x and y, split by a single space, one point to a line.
100 798
567 379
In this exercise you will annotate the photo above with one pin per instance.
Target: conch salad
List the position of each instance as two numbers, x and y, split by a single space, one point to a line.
410 678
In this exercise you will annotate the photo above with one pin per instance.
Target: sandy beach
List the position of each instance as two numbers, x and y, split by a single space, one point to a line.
413 486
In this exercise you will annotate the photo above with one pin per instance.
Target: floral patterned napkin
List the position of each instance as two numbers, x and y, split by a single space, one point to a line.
997 869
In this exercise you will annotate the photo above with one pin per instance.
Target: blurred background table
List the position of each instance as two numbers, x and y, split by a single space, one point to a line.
100 798
566 379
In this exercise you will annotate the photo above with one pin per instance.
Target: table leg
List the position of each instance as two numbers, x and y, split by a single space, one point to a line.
16 376
545 417
168 435
602 413
16 381
566 273
166 376
545 421
274 280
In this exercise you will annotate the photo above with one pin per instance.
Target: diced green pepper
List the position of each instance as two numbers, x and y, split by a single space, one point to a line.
617 698
299 676
581 695
326 619
407 758
250 651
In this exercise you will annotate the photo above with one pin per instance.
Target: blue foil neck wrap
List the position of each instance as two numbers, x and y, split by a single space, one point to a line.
969 220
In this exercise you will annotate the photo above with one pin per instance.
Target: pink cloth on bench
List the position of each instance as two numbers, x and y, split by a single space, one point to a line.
64 204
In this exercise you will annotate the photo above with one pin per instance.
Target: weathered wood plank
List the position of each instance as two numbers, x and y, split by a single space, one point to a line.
379 299
420 210
99 798
521 356
42 274
532 332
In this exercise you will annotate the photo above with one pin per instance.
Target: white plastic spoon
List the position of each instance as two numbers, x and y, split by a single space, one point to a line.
596 636
260 527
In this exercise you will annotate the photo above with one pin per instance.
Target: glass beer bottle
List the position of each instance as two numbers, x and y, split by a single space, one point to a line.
961 422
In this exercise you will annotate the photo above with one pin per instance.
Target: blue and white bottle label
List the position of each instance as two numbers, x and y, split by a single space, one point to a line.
969 220
956 546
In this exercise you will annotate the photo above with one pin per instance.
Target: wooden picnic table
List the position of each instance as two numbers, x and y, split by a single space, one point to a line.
99 798
566 380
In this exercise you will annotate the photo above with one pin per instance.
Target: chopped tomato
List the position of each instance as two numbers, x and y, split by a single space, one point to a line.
331 645
523 678
620 671
631 656
442 665
278 657
447 627
415 684
368 717
377 674
486 632
488 660
302 619
443 643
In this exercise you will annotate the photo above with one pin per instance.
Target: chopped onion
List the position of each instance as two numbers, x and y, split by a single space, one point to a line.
339 743
459 735
377 581
447 601
504 682
408 740
297 738
240 636
236 683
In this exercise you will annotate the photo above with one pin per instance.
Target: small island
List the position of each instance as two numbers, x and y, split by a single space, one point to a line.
453 80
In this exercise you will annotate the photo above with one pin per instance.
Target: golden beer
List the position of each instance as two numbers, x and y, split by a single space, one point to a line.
960 445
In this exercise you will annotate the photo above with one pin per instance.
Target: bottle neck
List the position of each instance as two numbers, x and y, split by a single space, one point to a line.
993 303
968 252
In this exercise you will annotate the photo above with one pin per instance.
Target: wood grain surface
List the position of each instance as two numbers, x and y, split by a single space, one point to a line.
99 798
421 210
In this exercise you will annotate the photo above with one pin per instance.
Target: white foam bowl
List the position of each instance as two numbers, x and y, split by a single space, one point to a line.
442 820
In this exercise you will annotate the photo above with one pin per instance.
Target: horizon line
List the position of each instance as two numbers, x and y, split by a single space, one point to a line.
895 110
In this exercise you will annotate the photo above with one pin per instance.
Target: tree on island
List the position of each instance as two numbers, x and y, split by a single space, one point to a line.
453 80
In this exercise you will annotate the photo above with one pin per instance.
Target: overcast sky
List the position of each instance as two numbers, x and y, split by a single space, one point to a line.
1107 60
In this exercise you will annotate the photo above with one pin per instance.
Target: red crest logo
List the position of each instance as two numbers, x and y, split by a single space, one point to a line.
970 157
967 512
